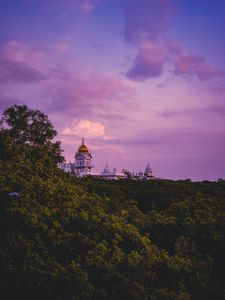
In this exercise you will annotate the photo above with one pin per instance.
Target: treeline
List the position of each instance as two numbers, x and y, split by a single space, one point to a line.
68 238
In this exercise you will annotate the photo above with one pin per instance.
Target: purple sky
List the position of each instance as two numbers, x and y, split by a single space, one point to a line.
142 80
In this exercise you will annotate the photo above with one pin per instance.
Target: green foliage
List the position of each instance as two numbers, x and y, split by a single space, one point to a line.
63 237
25 125
186 219
21 127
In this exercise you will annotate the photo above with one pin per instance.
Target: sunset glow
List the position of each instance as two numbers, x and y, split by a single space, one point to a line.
141 80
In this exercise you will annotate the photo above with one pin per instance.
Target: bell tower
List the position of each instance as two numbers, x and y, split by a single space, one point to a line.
83 159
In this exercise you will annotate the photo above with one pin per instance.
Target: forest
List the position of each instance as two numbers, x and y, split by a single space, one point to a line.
72 238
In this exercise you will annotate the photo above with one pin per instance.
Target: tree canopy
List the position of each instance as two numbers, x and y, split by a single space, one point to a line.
24 128
66 238
26 125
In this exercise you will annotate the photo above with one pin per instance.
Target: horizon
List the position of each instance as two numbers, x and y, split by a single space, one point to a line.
97 170
141 80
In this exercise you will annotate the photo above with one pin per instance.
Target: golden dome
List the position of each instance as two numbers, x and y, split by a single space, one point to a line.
83 148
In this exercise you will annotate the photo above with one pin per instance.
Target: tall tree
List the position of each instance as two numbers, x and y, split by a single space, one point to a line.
21 125
25 125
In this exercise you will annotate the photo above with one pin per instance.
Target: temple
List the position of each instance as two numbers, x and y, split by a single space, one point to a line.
83 167
107 174
83 159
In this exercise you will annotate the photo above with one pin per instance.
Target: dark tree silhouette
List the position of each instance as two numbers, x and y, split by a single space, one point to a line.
20 125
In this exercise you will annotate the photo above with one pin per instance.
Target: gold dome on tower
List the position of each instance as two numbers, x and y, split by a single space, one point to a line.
83 148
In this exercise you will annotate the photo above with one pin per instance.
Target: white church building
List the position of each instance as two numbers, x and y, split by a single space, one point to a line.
83 167
83 164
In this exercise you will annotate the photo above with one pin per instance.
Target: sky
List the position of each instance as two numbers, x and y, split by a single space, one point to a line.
141 80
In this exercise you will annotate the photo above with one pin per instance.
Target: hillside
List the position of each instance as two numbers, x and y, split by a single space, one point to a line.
68 238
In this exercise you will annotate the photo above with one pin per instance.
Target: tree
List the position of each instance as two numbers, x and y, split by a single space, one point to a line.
20 126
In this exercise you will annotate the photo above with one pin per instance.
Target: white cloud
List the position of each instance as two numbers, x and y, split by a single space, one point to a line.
86 128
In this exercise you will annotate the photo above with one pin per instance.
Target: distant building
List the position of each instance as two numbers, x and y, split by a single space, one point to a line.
83 167
83 159
107 174
148 171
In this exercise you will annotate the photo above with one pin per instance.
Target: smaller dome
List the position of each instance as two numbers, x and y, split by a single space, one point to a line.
83 148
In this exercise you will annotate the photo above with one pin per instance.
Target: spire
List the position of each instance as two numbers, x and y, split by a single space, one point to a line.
148 167
148 170
83 148
106 169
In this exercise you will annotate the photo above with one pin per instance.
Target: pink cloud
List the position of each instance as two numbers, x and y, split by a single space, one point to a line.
149 61
66 88
204 112
17 71
152 56
86 6
23 53
82 93
196 65
20 63
146 22
83 127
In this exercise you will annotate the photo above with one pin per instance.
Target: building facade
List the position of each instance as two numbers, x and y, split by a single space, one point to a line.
83 161
83 167
111 175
